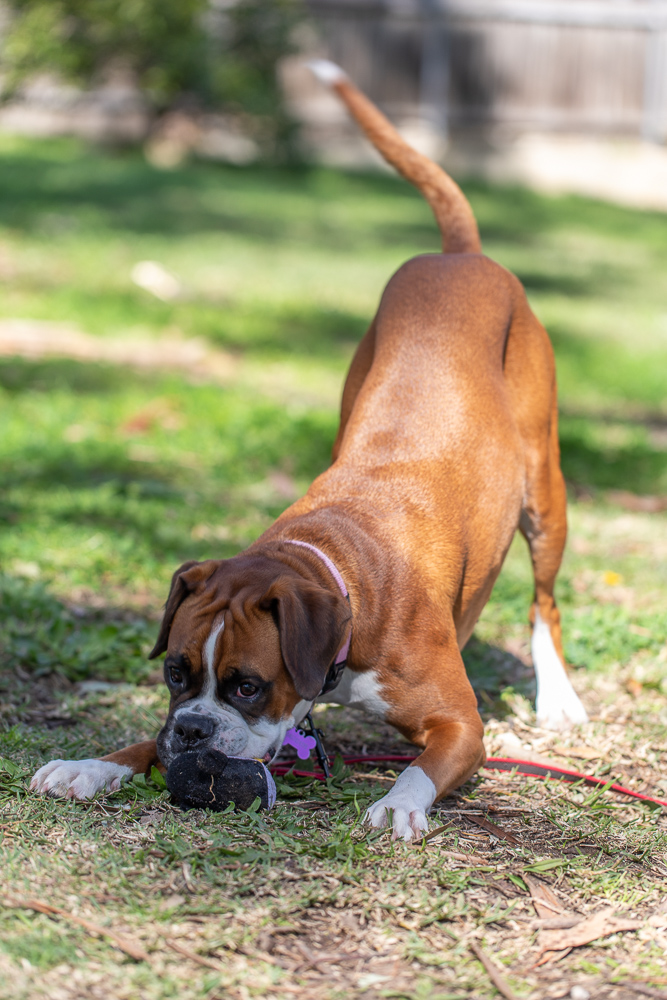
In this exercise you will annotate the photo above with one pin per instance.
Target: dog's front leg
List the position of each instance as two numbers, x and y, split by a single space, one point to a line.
440 714
454 751
82 779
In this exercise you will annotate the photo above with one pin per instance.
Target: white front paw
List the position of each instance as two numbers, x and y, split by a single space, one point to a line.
79 779
409 800
408 824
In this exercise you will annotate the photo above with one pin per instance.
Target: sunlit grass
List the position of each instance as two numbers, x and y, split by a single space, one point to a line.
110 478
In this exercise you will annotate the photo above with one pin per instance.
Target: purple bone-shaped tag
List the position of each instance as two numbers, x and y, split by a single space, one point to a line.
302 744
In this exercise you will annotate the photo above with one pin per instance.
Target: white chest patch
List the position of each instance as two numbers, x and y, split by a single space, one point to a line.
299 712
558 706
359 690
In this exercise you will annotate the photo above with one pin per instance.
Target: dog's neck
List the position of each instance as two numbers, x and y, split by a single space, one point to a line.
338 665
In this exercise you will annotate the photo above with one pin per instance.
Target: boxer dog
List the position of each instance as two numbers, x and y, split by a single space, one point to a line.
447 444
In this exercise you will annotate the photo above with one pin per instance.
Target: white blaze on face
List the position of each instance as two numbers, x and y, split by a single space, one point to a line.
211 680
234 735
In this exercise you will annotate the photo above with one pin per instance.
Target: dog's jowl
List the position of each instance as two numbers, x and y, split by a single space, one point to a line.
365 590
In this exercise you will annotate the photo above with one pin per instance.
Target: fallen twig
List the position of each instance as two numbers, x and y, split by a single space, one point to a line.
434 833
318 962
497 831
493 972
209 963
563 922
122 942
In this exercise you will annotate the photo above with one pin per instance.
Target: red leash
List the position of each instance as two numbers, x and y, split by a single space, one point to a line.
546 772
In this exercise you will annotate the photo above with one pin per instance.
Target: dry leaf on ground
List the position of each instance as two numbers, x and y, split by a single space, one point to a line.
545 901
598 925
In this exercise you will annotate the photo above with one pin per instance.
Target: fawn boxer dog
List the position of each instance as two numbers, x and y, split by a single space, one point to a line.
447 444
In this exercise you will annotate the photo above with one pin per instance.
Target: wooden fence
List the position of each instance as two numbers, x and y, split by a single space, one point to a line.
591 66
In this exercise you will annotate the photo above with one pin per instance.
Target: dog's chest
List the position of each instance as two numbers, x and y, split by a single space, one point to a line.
359 690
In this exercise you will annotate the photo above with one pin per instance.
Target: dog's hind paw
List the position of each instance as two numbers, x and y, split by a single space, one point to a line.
79 779
409 801
558 705
559 716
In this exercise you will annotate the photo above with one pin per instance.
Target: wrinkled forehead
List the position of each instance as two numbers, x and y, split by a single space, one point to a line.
225 636
191 629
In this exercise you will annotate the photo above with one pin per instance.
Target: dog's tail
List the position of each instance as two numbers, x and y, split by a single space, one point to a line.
448 203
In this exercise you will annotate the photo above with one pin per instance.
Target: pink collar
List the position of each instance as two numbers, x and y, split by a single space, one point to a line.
345 649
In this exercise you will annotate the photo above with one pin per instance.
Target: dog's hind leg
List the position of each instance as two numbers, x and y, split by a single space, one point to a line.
544 525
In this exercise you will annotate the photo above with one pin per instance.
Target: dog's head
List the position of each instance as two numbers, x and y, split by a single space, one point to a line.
249 642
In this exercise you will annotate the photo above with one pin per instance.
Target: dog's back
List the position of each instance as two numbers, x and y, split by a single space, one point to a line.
449 397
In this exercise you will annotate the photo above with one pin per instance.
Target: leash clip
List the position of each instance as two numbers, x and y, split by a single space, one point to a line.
322 758
333 677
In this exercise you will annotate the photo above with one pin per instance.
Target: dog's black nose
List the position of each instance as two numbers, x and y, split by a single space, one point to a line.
191 729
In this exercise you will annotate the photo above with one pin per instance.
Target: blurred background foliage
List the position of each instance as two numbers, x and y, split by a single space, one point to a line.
192 54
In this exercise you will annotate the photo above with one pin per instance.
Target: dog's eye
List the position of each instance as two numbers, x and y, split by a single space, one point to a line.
175 675
247 690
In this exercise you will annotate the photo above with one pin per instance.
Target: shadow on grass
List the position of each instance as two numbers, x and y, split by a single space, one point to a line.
518 215
637 467
494 673
277 331
54 183
615 372
284 331
59 187
43 636
19 375
149 502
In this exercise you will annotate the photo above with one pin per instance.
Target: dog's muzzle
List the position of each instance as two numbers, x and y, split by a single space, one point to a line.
195 731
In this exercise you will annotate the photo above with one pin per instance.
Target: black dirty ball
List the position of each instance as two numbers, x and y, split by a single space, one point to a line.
209 779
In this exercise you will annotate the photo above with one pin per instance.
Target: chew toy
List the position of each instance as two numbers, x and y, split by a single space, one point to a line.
210 779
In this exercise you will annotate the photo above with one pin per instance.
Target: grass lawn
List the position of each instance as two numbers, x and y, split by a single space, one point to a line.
110 476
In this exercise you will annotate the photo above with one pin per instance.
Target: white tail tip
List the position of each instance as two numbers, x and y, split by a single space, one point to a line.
326 72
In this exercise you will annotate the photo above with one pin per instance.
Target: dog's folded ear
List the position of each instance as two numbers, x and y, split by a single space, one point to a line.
185 581
312 622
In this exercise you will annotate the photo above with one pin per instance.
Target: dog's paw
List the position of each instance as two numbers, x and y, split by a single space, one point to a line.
79 779
409 801
408 824
561 713
558 706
